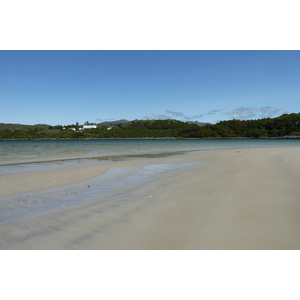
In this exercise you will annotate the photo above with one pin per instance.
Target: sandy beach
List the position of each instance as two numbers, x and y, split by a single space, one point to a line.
217 199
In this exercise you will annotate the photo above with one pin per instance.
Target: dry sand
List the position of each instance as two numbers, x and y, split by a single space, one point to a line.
235 199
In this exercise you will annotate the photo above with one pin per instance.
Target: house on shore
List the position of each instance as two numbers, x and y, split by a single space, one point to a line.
89 126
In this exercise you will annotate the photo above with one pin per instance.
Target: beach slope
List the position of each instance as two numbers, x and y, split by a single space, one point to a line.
223 199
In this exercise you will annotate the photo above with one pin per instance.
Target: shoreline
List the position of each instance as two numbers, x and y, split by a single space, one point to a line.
243 198
139 151
155 138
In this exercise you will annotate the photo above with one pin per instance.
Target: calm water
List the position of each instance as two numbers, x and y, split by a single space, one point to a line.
12 152
26 156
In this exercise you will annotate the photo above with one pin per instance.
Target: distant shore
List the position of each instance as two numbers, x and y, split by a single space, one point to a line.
156 138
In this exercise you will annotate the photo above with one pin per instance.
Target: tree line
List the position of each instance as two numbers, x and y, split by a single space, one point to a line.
286 125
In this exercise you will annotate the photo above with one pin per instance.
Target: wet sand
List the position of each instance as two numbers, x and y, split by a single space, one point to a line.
223 199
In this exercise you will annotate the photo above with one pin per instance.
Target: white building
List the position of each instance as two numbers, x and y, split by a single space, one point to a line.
89 126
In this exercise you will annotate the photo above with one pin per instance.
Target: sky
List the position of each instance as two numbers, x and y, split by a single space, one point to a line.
65 87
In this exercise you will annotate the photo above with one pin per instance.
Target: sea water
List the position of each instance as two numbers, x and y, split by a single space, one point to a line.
18 152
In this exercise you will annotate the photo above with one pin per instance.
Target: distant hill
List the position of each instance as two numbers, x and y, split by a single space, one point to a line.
22 127
284 126
122 121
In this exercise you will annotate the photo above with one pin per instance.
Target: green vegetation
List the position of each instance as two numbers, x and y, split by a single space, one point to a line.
286 125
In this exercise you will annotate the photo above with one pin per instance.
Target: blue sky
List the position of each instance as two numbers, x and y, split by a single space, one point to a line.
65 87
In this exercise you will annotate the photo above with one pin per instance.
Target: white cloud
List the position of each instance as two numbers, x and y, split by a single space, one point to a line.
180 114
156 117
170 115
268 112
243 113
174 113
213 111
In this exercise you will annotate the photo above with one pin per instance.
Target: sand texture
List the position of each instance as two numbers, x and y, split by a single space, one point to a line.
218 199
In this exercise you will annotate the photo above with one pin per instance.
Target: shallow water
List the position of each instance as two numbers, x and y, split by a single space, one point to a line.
13 207
32 151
